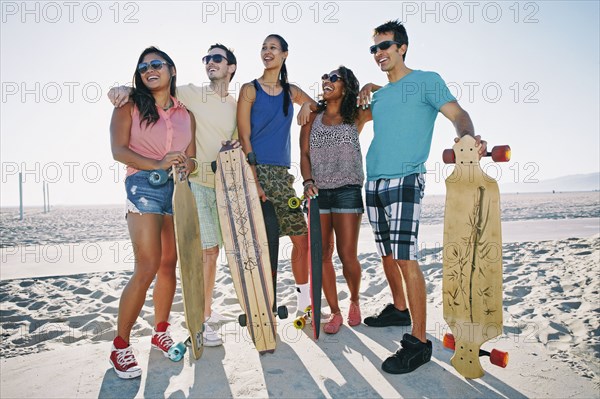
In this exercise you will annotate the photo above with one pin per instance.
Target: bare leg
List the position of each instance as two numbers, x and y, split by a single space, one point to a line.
394 278
166 278
329 279
145 233
300 258
347 227
210 274
415 289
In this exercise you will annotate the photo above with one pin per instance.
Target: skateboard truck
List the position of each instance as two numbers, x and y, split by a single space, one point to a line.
177 351
301 321
500 153
497 357
282 313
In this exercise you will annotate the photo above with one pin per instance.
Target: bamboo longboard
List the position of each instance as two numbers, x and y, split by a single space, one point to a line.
246 245
189 256
472 258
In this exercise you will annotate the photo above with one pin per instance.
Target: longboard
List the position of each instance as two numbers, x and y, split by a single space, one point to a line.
247 246
472 255
191 268
315 248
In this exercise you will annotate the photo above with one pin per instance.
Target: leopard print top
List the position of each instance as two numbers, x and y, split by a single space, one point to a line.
335 155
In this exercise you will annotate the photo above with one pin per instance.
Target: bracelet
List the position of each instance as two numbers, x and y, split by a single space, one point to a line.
197 165
308 181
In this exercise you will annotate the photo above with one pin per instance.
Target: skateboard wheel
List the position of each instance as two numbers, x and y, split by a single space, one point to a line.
299 323
158 177
282 312
295 202
501 153
448 156
448 341
213 166
176 352
242 320
499 358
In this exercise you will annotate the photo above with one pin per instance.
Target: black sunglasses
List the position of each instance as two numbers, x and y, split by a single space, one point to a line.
334 77
217 58
155 65
383 46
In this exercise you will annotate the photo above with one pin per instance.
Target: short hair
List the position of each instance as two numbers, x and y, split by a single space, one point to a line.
231 60
397 29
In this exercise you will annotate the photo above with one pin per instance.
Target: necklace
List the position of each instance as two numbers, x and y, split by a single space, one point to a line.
168 106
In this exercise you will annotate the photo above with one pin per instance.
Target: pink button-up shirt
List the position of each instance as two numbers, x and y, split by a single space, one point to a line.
171 132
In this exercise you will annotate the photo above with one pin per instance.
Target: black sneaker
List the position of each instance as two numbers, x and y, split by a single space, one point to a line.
411 356
389 316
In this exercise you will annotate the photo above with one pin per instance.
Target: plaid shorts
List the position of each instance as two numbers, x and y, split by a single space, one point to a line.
394 209
278 185
208 215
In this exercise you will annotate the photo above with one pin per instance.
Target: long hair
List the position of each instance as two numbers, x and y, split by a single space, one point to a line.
283 78
348 110
142 96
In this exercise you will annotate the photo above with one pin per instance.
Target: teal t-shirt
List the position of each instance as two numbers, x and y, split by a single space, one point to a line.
404 114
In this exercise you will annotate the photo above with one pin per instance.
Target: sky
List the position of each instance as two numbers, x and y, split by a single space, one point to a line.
527 73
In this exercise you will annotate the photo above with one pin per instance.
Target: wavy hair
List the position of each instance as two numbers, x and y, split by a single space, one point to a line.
348 110
142 97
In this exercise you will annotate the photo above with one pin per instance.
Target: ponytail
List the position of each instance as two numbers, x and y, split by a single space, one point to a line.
283 81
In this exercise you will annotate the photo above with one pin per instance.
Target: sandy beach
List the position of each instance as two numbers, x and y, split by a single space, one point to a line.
62 274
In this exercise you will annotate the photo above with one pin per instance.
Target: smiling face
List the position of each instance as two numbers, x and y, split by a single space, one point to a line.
218 70
157 79
333 90
391 57
271 53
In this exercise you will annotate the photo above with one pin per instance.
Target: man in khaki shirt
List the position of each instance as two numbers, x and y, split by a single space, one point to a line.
215 112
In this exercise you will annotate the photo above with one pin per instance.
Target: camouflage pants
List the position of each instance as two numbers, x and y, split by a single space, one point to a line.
278 185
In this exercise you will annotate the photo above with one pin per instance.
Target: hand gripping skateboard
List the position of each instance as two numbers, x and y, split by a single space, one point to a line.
191 268
472 257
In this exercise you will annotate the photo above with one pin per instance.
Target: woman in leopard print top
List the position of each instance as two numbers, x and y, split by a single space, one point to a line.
331 165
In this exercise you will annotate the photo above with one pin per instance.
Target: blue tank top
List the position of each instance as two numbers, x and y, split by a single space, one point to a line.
270 128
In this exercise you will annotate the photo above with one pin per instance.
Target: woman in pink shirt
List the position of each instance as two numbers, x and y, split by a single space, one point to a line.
154 131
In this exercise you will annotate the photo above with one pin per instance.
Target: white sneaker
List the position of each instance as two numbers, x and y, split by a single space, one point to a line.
215 318
211 337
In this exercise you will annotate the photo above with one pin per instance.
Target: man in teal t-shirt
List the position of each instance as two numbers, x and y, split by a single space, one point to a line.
404 113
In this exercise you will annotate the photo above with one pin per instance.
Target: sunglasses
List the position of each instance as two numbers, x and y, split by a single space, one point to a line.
155 65
217 58
334 77
383 46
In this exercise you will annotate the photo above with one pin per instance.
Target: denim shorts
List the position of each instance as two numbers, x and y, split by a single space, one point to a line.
145 198
345 199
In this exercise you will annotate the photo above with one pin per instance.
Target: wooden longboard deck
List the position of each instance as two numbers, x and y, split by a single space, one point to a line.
189 257
316 263
472 258
246 245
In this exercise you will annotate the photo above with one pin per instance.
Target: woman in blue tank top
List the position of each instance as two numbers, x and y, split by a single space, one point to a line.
264 118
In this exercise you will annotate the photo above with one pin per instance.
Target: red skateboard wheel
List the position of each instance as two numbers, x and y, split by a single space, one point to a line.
501 153
448 341
499 358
